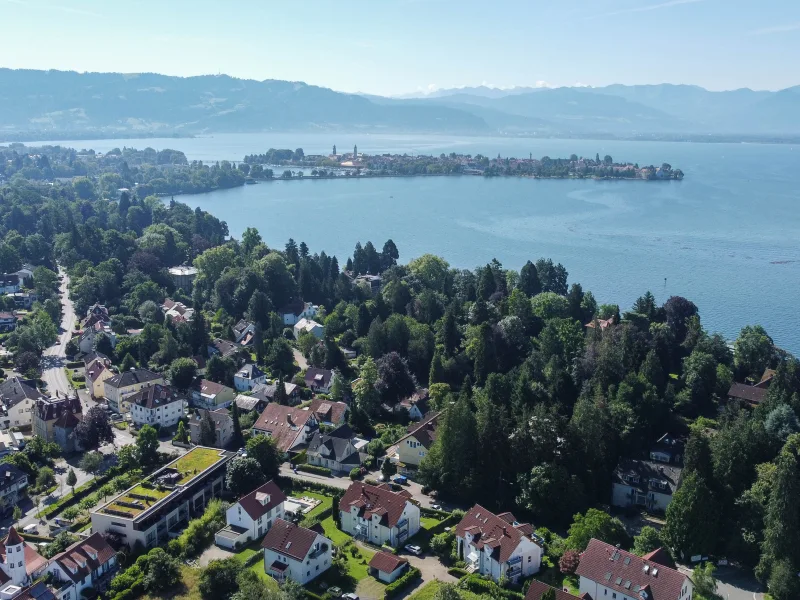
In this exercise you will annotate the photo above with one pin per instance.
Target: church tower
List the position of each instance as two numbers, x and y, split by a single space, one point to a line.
355 151
14 565
334 149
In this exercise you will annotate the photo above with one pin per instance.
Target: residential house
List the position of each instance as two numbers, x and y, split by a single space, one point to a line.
266 392
498 546
223 427
248 377
296 310
766 378
24 299
87 564
304 326
337 450
416 405
97 371
291 428
379 515
13 483
210 394
18 397
248 404
92 334
244 332
608 572
20 563
97 313
222 348
387 567
177 312
186 485
748 394
252 516
118 388
537 589
158 406
318 380
183 277
9 283
644 483
25 273
372 282
601 323
668 449
8 321
329 412
296 553
407 453
55 420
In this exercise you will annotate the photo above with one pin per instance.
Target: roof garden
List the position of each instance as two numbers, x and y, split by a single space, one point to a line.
141 497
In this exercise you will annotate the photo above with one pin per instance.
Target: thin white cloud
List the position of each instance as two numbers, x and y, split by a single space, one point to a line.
645 8
60 7
776 29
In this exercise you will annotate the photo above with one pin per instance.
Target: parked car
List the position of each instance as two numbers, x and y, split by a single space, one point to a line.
415 550
334 591
400 479
436 506
350 596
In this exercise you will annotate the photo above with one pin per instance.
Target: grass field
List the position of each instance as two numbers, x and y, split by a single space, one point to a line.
427 592
188 590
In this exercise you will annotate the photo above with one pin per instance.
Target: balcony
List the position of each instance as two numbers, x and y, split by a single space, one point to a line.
514 561
402 523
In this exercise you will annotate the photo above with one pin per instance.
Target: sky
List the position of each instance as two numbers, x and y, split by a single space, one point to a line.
393 47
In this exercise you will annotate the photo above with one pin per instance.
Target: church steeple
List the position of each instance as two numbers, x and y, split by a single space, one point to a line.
15 563
334 149
355 151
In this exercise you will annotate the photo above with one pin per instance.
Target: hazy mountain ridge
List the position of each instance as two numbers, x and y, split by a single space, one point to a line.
64 102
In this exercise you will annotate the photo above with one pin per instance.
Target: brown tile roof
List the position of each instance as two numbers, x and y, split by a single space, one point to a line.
537 589
13 538
420 397
328 410
629 574
283 423
660 556
387 563
155 396
95 369
256 503
766 378
375 500
498 532
749 393
289 539
67 420
33 560
424 431
206 387
85 556
317 377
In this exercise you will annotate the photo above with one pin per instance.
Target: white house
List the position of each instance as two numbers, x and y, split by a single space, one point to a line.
296 553
497 545
119 387
308 326
8 321
378 515
318 380
18 397
157 405
387 567
292 313
291 427
248 377
13 482
19 561
252 516
88 563
93 333
337 450
605 571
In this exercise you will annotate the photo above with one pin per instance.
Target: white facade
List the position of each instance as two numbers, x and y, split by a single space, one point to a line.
373 531
598 590
309 312
316 562
244 383
308 326
625 495
90 336
525 560
256 528
21 414
163 415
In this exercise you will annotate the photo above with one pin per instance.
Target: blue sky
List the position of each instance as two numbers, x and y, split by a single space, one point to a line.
400 46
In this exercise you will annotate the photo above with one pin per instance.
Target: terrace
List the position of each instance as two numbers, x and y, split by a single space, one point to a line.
145 495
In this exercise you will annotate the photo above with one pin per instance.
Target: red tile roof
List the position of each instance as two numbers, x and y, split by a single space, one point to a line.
289 539
33 560
375 500
283 424
387 563
85 556
498 532
13 538
537 589
328 410
155 396
256 504
628 574
660 556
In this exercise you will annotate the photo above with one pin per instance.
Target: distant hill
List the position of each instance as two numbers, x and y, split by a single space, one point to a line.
60 101
63 103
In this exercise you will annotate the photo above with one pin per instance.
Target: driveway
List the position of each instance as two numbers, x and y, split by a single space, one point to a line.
429 567
733 583
300 359
54 357
213 552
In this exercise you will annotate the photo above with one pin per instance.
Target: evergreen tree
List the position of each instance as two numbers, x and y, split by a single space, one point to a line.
691 526
529 280
280 396
436 374
238 439
208 434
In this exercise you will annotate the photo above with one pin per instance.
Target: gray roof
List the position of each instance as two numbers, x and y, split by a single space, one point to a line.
651 475
15 389
338 443
9 475
132 377
250 371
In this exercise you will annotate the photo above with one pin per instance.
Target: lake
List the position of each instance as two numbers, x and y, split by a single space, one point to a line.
726 237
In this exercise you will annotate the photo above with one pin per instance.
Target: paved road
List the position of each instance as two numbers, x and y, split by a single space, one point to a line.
54 357
733 583
344 483
300 359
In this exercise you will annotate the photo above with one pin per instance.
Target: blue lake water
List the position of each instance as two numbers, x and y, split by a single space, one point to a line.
725 237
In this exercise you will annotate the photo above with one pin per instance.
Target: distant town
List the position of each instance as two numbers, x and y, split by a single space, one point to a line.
336 164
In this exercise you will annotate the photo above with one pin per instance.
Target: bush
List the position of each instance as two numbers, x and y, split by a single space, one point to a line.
457 573
371 481
396 587
474 583
199 534
314 469
355 473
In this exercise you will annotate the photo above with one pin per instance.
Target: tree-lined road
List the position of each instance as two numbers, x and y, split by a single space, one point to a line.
55 357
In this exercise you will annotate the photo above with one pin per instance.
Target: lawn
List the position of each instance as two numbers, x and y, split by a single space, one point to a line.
423 537
555 578
194 462
337 536
429 522
356 566
188 590
325 503
427 591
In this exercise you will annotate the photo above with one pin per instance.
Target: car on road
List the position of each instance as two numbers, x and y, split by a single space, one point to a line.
415 550
350 596
400 479
436 506
336 592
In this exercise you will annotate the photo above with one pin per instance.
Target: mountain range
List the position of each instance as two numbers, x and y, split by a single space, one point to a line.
63 103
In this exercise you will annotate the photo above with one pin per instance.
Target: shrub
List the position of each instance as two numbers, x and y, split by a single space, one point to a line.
569 562
315 469
396 587
355 473
370 481
457 573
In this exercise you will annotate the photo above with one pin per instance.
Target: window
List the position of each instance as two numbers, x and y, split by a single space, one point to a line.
614 595
308 573
19 564
317 567
529 559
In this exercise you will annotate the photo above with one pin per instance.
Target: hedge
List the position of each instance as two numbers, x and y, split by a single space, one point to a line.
251 560
36 538
396 587
74 365
476 584
314 469
457 573
429 512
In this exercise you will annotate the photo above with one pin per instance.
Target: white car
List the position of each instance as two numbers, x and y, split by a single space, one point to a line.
415 550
